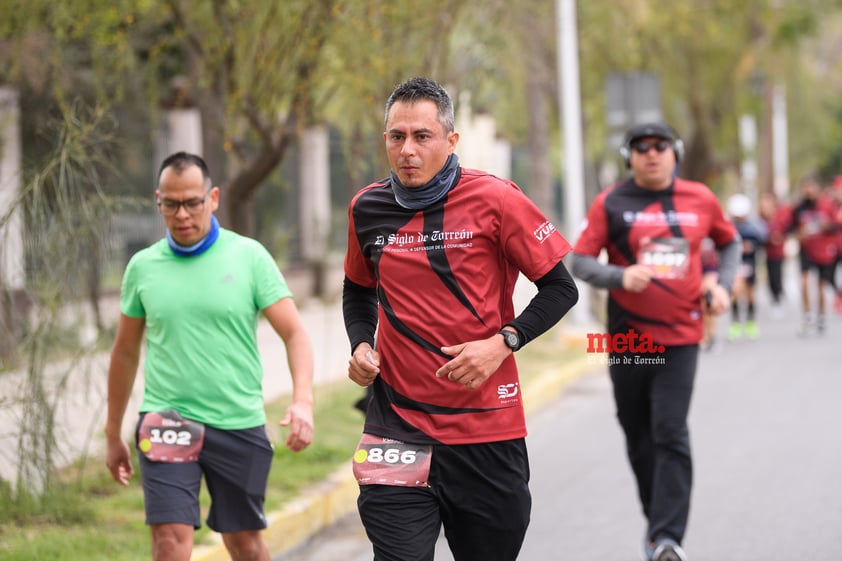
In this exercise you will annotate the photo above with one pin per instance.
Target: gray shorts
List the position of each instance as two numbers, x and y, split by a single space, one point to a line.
235 465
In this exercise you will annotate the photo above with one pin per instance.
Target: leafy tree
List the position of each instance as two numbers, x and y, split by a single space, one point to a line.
65 206
709 55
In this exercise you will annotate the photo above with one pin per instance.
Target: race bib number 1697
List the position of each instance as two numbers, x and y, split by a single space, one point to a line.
667 258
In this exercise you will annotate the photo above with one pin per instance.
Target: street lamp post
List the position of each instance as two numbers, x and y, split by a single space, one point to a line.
574 184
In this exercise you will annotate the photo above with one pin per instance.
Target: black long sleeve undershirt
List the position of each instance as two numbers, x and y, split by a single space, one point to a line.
557 294
359 309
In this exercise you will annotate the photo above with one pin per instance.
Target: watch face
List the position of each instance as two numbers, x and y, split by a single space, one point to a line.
512 339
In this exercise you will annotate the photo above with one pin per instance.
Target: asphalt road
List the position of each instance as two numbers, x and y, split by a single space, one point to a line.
765 426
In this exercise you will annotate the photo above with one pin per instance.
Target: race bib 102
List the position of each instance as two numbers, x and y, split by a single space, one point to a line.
166 436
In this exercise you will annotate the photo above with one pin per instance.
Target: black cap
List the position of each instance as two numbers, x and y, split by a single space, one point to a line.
658 130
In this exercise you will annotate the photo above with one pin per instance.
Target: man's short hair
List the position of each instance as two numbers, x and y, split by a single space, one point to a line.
183 160
420 89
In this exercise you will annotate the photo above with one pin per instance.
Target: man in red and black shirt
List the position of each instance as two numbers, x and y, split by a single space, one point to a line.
836 200
777 216
433 255
652 226
812 224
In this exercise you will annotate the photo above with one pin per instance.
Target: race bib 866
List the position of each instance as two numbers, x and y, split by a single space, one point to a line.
385 461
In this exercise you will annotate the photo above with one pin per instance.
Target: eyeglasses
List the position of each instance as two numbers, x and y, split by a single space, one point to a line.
192 206
644 147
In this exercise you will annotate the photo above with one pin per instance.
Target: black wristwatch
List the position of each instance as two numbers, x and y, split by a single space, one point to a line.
511 338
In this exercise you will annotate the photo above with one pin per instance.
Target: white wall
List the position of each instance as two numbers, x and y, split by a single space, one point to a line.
479 147
11 233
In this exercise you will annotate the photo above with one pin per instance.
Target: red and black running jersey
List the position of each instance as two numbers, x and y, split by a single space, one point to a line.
813 221
837 225
664 230
778 227
445 275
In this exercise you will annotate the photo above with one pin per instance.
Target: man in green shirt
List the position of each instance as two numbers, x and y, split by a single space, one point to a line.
197 296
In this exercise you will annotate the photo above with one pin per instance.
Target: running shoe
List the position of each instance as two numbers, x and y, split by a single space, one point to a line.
735 331
668 550
806 327
820 325
751 330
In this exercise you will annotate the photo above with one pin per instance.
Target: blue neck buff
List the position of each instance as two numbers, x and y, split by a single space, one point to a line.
417 198
198 248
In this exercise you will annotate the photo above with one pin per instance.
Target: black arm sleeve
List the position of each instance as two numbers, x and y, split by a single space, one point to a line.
359 310
557 293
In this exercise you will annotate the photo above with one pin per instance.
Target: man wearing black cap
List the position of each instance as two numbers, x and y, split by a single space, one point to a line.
652 226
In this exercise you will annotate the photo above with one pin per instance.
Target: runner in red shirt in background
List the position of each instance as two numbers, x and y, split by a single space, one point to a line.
652 226
836 198
778 217
812 224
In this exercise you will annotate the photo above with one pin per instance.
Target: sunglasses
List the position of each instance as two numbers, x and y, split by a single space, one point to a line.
644 147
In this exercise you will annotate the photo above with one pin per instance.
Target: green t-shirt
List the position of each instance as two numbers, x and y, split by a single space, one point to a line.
201 328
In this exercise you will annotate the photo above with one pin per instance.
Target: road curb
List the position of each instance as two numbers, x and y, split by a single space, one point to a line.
322 505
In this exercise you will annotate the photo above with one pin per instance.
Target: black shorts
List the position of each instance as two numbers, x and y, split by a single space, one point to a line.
746 271
478 492
235 465
825 271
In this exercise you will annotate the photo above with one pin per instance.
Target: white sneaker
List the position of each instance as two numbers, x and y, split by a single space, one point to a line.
668 550
806 328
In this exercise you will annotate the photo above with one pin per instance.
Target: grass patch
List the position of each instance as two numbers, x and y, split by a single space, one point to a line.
90 517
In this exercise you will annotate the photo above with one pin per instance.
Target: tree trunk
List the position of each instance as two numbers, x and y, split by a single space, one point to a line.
11 324
240 190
